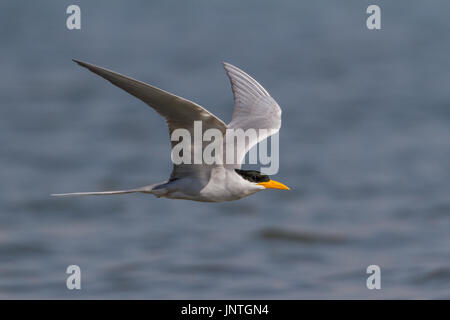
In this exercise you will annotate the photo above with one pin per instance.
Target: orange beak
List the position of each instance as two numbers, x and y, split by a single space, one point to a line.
272 184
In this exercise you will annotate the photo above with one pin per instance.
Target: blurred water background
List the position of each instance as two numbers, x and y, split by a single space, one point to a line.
364 148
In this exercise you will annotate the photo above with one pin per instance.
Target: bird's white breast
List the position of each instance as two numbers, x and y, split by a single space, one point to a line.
224 184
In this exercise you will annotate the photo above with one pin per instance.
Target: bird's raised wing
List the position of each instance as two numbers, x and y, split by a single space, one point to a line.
178 112
254 108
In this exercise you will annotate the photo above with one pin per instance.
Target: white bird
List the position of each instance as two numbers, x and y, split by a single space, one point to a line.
253 108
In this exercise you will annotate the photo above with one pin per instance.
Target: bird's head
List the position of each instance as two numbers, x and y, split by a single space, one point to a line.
261 179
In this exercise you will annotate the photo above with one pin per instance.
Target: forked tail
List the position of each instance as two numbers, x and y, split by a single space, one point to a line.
100 193
145 189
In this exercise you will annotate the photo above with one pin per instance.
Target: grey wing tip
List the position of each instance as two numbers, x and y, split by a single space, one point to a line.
231 68
226 64
228 67
81 63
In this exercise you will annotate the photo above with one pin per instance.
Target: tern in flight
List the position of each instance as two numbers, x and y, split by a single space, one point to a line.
254 109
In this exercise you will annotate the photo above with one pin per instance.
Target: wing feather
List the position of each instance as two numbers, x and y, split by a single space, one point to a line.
177 111
254 108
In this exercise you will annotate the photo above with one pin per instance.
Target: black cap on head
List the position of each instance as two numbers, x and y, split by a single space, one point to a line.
253 175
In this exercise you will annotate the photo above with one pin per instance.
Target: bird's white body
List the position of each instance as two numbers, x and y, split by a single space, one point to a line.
223 185
254 109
